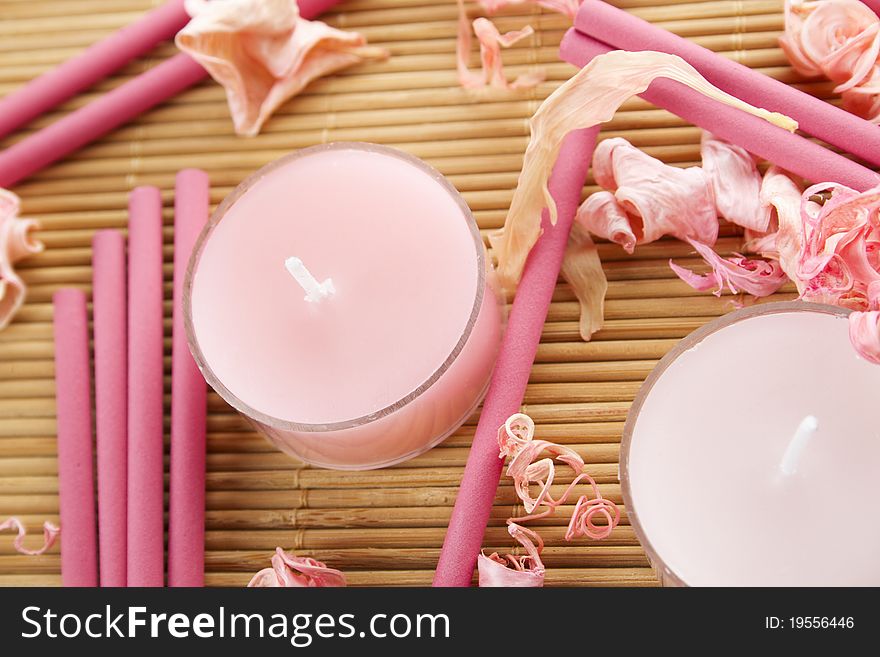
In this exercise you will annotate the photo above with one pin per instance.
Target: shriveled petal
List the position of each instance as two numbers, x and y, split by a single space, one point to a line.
664 200
604 217
566 7
864 333
590 97
491 43
758 277
262 52
736 183
783 194
50 534
582 270
291 571
510 570
16 242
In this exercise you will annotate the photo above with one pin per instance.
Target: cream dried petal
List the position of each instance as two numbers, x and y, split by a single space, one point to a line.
582 270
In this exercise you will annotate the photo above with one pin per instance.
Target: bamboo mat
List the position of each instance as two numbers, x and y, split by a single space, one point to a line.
382 527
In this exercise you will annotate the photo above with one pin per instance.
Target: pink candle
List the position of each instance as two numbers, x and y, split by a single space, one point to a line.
340 299
93 64
145 388
186 506
111 385
750 455
76 484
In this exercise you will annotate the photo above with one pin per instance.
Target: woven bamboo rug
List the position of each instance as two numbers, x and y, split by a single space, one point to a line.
381 527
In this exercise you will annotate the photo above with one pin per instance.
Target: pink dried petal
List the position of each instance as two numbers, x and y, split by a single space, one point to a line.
510 570
604 217
582 270
864 333
781 193
50 534
758 277
735 182
515 434
590 97
566 7
263 53
664 200
582 521
839 39
16 242
291 571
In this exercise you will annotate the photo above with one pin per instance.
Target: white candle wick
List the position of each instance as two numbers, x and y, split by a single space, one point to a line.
314 290
798 444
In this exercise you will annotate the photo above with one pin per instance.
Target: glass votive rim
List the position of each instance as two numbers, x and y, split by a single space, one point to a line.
666 575
217 216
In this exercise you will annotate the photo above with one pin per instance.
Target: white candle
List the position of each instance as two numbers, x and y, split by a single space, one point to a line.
751 455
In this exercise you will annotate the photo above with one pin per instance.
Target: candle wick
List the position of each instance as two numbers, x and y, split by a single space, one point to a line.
314 290
798 444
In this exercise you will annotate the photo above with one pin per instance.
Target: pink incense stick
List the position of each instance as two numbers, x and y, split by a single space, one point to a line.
145 539
508 385
95 63
186 510
115 108
111 384
838 127
790 151
76 484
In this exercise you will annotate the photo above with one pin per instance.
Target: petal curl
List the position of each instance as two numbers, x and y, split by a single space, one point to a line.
291 571
757 277
864 333
262 52
50 534
16 242
735 182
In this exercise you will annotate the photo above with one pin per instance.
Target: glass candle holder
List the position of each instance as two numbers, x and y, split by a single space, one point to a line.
750 454
340 299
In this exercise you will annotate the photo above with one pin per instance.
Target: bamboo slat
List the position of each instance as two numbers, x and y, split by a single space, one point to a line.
381 527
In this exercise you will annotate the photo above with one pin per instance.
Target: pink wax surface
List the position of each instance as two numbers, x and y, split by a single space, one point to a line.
406 264
703 462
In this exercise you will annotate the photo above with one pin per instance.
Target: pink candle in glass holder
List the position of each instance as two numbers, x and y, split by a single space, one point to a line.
750 456
340 299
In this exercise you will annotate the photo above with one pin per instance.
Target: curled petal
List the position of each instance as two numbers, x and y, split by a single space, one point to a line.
566 7
586 509
262 52
16 242
516 432
839 39
604 217
590 97
736 183
864 333
783 195
50 534
291 571
758 277
663 199
510 570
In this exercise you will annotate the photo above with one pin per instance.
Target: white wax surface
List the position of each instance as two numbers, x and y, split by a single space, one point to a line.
706 448
404 265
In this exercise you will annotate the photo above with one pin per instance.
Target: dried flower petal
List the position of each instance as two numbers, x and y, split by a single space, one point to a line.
566 7
735 182
660 199
603 216
16 242
758 277
291 571
263 53
582 270
839 39
509 570
590 97
491 41
864 333
50 534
